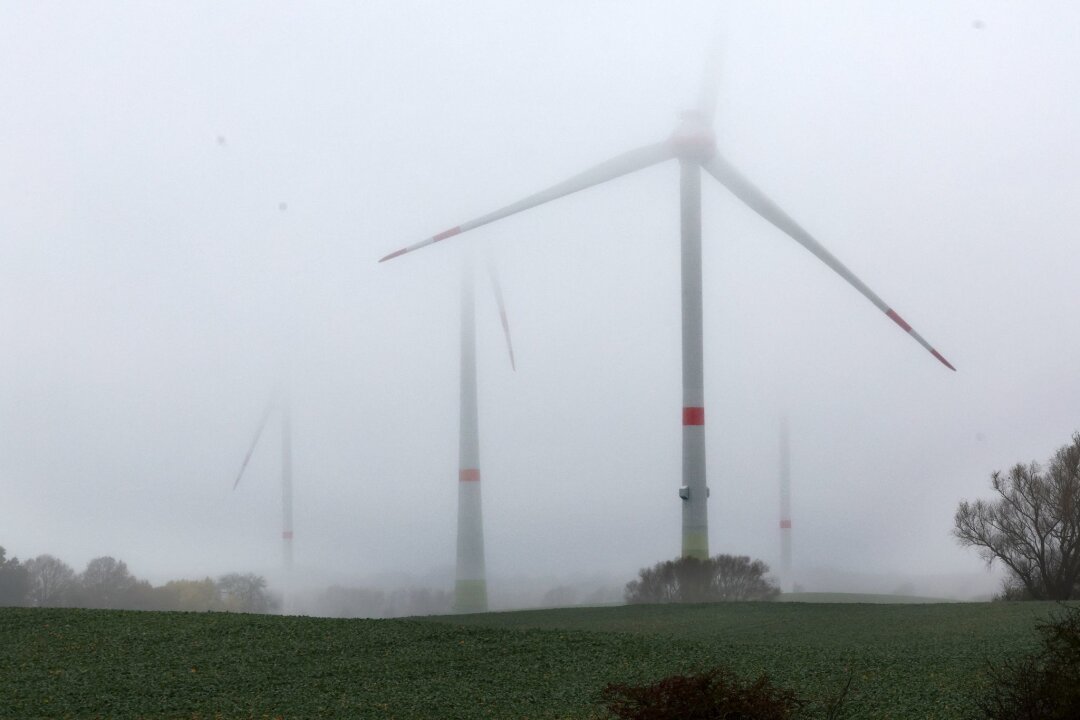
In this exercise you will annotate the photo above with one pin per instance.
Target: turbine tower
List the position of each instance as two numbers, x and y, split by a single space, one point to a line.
280 404
470 581
693 145
785 508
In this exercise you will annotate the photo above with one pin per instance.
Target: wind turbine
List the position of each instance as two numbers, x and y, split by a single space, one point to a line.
693 145
785 507
470 582
280 404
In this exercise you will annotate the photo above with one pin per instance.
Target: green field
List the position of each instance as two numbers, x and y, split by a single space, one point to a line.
907 661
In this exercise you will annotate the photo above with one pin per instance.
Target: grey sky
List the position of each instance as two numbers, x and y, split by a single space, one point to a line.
152 291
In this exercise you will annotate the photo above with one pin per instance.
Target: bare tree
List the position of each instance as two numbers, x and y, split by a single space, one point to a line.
658 584
1033 526
105 583
740 578
51 581
245 593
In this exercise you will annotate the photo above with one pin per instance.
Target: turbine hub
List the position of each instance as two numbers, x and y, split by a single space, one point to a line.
693 138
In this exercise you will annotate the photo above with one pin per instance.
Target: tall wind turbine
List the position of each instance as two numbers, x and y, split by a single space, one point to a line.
280 404
470 583
693 145
785 507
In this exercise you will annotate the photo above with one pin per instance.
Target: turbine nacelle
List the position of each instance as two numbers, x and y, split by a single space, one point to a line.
693 139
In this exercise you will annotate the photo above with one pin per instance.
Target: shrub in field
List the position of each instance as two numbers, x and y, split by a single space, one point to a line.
719 578
1042 686
717 694
245 593
1012 590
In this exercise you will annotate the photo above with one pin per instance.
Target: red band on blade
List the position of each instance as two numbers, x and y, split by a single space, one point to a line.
898 320
394 254
785 524
469 475
693 416
445 234
286 535
944 362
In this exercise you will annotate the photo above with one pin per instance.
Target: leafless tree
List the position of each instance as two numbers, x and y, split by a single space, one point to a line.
1032 526
105 583
245 593
51 581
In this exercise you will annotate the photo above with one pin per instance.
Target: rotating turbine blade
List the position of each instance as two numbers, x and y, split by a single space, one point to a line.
710 83
744 190
497 289
254 442
616 167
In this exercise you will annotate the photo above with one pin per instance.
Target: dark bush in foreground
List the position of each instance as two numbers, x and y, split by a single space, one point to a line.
1042 686
713 695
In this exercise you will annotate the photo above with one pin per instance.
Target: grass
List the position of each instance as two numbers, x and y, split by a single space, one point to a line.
907 661
859 598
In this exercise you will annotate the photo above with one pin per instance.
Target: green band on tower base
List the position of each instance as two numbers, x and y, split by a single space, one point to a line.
470 596
695 544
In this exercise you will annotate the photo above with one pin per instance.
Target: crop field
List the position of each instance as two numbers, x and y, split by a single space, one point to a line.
905 661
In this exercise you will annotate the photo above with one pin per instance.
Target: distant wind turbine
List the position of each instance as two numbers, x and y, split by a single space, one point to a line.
470 583
785 507
280 404
693 145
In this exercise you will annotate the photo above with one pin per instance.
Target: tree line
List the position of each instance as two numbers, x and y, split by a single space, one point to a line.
106 583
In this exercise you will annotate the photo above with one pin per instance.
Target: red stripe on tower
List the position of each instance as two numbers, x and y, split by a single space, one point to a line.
693 416
286 534
469 475
785 524
446 233
898 320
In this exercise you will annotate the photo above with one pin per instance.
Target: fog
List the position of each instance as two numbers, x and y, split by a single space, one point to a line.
194 197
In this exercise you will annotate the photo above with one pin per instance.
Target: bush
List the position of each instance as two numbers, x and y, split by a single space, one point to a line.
717 579
1012 591
1044 685
716 694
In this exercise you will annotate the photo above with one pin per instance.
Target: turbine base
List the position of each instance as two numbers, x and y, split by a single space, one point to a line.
470 596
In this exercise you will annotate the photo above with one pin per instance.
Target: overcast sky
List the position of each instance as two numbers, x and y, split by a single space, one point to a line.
194 195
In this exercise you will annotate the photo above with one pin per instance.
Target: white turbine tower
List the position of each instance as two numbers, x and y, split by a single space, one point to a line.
787 583
470 582
280 404
693 145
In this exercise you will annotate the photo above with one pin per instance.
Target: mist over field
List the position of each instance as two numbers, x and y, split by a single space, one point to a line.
194 198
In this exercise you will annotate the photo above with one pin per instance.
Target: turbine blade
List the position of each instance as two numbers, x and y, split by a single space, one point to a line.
710 82
616 167
254 442
746 191
497 289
